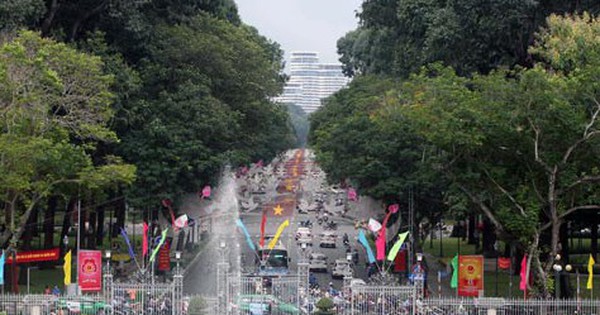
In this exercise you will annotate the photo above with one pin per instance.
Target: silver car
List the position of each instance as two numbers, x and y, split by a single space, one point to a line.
341 268
317 262
327 239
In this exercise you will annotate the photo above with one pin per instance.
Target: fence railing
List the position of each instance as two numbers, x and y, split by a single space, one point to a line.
501 306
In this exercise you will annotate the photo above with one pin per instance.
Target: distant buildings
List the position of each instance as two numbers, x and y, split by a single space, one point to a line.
311 81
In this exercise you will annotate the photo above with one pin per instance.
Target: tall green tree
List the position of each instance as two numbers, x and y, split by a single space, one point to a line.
523 146
397 37
55 108
205 102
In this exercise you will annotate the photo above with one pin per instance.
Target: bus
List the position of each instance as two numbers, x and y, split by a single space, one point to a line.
273 262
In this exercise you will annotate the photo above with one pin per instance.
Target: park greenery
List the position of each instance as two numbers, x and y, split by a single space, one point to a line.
119 103
474 112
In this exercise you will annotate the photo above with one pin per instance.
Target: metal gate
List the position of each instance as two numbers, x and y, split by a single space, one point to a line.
262 295
380 300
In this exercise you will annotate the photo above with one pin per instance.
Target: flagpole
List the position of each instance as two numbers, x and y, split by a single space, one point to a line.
78 243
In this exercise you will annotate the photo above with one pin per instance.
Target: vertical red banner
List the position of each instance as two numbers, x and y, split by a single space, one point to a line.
90 270
164 260
400 261
470 275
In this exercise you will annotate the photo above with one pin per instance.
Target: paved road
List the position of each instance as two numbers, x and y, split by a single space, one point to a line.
200 278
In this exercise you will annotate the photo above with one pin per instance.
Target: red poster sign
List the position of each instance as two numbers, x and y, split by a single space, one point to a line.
164 260
470 275
35 256
90 270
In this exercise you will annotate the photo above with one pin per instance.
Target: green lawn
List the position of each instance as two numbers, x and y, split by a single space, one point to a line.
578 258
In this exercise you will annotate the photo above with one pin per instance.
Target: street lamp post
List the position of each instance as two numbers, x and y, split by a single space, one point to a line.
557 270
29 277
348 273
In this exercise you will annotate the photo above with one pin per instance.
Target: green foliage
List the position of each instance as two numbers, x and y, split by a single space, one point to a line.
55 109
359 136
204 103
324 307
16 13
397 37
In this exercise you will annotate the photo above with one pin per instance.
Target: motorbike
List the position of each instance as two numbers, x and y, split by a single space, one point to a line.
331 225
306 223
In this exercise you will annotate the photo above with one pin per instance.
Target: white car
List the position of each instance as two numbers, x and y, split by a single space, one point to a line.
327 239
304 235
341 268
317 262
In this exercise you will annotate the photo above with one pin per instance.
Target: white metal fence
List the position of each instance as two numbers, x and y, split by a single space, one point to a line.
499 306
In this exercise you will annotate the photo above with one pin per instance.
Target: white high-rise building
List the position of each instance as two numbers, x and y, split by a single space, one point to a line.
311 81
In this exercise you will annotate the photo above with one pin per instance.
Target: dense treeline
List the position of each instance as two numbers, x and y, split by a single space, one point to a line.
119 102
477 108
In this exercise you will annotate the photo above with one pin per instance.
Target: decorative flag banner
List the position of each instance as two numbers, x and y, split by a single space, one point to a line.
394 251
524 274
590 268
2 261
160 243
373 225
470 275
454 280
363 240
206 192
352 194
241 225
394 208
67 268
504 263
90 270
145 240
259 163
181 221
381 239
380 246
129 247
279 231
263 222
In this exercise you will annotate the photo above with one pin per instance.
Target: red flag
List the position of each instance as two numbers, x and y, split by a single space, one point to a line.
206 192
381 239
524 274
167 203
352 194
259 163
263 222
503 263
145 240
394 208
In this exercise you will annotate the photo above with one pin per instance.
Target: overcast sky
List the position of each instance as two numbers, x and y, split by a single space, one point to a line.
307 25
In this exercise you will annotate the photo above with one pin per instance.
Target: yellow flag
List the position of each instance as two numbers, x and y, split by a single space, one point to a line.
67 268
279 230
590 282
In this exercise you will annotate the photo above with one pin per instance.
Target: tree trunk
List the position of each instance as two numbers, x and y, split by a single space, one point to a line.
489 239
100 230
28 230
49 222
471 230
120 214
91 233
66 225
